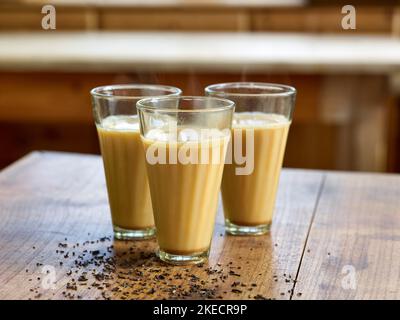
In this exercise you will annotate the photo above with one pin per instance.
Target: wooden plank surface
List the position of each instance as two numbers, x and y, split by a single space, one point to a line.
335 236
353 249
55 219
186 51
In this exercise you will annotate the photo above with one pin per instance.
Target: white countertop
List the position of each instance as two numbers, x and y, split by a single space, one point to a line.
226 52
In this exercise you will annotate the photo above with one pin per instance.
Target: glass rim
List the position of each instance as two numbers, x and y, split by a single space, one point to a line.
97 91
286 91
142 106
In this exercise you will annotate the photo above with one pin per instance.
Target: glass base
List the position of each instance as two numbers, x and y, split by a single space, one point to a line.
237 230
126 234
179 259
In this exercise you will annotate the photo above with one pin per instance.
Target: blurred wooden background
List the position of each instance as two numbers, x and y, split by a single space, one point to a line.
345 120
203 15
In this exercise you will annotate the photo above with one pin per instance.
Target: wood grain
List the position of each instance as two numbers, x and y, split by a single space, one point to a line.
47 197
356 228
20 138
174 20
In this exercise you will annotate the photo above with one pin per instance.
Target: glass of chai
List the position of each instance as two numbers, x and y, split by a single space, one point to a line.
254 159
185 141
114 109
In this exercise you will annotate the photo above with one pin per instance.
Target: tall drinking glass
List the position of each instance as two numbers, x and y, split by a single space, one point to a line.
185 141
259 133
114 109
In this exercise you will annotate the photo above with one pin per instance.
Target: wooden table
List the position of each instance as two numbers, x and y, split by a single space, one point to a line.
335 235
